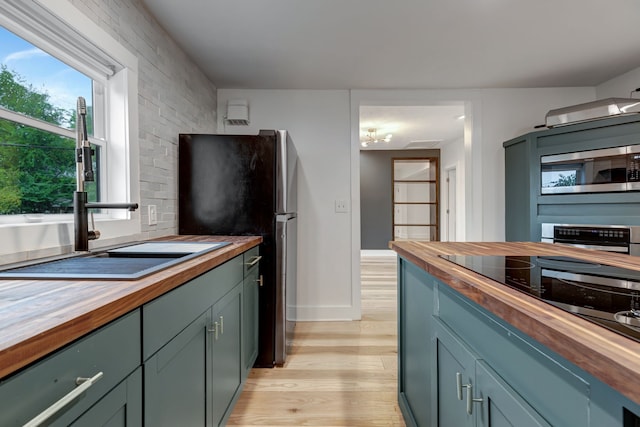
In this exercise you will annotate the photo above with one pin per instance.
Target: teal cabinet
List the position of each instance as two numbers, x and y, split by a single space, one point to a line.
500 405
450 346
111 354
547 382
250 307
193 336
526 208
180 359
175 380
415 299
197 342
226 368
470 393
455 377
121 407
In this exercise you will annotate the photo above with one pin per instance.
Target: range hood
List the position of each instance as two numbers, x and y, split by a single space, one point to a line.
599 109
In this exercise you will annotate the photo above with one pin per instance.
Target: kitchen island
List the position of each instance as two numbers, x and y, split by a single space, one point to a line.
568 371
131 326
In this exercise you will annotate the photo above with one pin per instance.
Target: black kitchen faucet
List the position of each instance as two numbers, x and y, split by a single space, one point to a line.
84 172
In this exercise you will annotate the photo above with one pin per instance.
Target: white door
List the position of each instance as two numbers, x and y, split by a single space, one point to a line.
415 199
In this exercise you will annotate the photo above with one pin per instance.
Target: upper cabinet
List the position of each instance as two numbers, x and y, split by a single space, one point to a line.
579 174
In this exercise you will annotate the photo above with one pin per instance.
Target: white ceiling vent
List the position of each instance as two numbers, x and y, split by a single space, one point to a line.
237 112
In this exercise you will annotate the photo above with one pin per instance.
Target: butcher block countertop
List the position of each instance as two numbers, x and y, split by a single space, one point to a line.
38 317
610 357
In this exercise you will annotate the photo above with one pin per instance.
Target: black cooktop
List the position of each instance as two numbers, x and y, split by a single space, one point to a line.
606 295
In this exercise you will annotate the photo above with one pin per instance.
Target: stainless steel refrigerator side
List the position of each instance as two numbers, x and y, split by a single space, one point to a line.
286 270
285 242
286 170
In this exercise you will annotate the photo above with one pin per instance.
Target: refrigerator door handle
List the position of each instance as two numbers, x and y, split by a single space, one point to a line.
284 217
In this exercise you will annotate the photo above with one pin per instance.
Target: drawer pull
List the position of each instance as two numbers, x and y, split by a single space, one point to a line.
82 385
253 260
260 280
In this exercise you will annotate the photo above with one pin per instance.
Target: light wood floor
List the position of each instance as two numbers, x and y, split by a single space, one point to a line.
340 373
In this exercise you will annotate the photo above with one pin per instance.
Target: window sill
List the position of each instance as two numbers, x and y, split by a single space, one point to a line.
29 241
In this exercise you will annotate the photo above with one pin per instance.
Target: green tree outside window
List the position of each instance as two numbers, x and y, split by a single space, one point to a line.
37 168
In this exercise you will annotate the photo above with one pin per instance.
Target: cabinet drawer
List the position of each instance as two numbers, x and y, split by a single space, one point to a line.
113 350
166 316
542 378
251 259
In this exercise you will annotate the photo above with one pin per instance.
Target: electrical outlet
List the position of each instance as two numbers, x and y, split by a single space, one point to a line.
153 215
341 206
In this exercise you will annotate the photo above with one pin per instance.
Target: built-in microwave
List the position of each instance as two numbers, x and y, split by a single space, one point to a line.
604 170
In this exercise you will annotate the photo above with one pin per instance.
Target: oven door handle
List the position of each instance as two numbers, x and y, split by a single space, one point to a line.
621 249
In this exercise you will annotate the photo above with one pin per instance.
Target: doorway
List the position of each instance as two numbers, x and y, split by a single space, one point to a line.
416 120
377 208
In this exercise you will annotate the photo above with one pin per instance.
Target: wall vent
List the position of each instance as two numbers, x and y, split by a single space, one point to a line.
237 112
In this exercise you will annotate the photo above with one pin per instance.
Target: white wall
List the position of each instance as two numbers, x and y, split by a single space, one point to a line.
492 117
507 113
324 126
173 96
621 86
319 125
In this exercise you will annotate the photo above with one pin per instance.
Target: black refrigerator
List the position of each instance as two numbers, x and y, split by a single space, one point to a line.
246 185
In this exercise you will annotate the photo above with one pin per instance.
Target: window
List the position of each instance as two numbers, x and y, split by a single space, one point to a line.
37 152
37 125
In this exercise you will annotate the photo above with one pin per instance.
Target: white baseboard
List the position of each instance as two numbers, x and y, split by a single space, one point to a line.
377 252
322 313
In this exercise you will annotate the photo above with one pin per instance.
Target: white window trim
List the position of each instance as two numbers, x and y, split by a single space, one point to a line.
54 235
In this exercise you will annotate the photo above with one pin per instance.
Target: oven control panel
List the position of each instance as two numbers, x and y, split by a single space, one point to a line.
591 234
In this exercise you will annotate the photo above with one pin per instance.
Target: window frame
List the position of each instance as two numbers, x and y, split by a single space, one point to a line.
53 234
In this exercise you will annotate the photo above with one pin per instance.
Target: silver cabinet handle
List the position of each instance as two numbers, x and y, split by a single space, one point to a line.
471 400
260 281
460 386
82 383
214 330
254 260
222 325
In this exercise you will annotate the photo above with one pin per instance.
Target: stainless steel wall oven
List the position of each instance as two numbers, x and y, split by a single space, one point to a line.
624 239
604 170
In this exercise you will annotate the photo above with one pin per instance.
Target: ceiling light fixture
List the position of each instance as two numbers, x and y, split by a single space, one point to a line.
372 137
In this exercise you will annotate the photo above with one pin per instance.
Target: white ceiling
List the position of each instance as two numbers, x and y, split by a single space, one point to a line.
405 44
412 127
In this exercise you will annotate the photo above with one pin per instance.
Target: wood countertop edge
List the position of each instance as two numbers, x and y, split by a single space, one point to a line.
18 353
612 358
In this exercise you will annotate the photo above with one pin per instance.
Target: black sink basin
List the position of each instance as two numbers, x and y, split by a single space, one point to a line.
126 263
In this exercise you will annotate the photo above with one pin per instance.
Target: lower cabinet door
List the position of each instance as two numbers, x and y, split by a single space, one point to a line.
227 360
175 392
416 354
456 375
121 407
250 309
500 405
